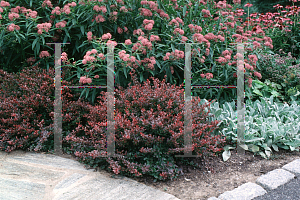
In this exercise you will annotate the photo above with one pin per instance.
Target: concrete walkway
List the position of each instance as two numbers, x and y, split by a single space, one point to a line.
37 176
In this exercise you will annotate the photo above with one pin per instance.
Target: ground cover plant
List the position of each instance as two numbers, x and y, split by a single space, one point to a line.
150 51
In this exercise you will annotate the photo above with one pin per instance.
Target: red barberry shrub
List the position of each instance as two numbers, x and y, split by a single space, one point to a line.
27 109
149 131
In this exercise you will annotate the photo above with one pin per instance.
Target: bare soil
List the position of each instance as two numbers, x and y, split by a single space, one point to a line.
203 182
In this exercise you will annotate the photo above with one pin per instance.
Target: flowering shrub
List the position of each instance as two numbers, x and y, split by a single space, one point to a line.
154 33
26 110
149 131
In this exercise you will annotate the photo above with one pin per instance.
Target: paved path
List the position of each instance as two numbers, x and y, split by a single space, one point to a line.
37 176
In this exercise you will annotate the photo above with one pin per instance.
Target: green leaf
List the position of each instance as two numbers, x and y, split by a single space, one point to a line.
38 47
255 148
196 9
73 21
275 147
34 42
82 29
65 39
43 40
268 153
94 95
262 155
218 113
244 146
226 155
184 11
87 92
256 91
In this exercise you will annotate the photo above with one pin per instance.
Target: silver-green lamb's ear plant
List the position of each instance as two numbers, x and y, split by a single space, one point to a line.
268 125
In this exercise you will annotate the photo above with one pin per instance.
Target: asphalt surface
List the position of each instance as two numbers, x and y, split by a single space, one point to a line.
288 191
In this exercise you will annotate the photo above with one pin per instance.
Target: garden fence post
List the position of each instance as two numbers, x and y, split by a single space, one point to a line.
57 101
240 101
110 102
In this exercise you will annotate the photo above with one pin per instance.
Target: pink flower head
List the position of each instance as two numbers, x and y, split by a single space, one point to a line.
44 54
13 16
154 38
128 42
48 3
94 51
120 30
146 12
100 18
66 9
149 27
179 20
89 35
4 4
109 43
106 36
13 27
257 74
248 5
96 76
84 80
61 24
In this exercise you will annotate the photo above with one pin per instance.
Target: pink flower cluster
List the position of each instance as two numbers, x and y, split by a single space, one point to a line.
125 57
56 11
178 30
106 36
123 8
88 58
184 39
148 24
30 60
13 27
207 75
128 42
206 12
154 38
13 16
176 21
109 43
99 18
84 80
48 3
43 26
153 5
44 54
195 28
152 62
61 24
138 32
64 58
101 8
146 12
145 42
32 14
89 36
177 55
4 4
